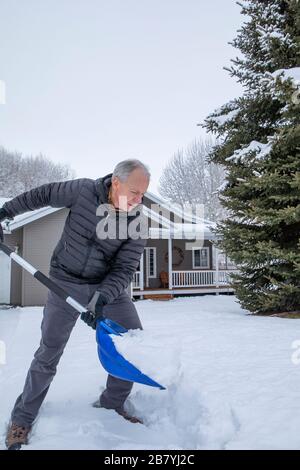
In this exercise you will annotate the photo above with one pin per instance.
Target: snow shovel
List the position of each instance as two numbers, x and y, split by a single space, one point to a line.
112 361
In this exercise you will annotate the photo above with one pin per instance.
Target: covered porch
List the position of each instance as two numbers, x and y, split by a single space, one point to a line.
203 269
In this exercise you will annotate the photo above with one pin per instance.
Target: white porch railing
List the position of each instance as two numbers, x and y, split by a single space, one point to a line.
200 278
136 280
194 278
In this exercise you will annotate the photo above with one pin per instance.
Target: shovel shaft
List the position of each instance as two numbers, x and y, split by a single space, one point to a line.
42 278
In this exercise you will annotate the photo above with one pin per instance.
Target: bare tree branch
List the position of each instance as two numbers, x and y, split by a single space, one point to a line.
190 178
20 173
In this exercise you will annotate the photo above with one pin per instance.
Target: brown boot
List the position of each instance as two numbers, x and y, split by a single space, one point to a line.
128 417
16 436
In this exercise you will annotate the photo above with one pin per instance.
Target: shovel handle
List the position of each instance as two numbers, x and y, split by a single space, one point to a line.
43 279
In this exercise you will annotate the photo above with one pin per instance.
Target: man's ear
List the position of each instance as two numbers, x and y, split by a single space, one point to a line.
115 182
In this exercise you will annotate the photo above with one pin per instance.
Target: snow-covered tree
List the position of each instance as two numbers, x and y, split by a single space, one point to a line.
190 179
259 144
19 174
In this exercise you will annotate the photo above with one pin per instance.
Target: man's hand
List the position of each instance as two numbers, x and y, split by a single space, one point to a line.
3 216
95 310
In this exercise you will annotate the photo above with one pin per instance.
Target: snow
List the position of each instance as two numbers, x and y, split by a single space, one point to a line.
282 75
292 73
232 380
222 187
254 146
224 114
273 31
27 217
224 118
184 231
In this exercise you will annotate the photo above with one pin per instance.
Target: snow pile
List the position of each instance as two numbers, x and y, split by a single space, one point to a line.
231 381
153 358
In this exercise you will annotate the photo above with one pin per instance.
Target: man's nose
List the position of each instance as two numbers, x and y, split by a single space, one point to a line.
138 198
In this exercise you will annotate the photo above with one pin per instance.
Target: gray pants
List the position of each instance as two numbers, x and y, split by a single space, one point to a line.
58 321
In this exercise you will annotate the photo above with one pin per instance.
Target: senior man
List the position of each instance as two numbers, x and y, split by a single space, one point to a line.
94 270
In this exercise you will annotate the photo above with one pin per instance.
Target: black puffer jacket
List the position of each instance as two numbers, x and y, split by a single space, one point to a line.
80 256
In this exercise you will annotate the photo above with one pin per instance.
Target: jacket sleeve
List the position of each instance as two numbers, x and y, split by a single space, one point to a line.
123 268
61 194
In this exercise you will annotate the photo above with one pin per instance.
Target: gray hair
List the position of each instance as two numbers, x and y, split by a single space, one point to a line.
124 168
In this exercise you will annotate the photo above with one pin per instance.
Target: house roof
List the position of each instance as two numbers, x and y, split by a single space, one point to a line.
170 229
26 218
199 230
184 232
176 208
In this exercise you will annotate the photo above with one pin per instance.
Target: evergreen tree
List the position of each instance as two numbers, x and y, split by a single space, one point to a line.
260 150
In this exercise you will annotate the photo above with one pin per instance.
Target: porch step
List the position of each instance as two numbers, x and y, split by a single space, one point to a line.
158 296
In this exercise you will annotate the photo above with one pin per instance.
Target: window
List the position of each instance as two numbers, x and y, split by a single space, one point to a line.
151 261
200 257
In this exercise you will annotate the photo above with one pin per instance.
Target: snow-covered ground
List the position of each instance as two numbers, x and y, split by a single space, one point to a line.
231 380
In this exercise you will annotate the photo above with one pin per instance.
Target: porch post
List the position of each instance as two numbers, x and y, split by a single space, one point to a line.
170 262
213 252
217 269
130 290
142 272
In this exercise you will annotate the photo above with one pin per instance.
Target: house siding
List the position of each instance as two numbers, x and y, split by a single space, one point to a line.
162 264
15 240
161 248
40 239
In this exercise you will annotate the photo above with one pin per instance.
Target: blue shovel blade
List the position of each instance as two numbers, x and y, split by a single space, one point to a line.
112 361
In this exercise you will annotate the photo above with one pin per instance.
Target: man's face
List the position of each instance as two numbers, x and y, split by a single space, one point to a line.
128 194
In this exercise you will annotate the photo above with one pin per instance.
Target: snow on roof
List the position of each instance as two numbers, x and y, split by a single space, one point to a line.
176 208
27 217
193 222
153 215
184 231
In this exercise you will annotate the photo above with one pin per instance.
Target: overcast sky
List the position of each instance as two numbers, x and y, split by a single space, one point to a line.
91 82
